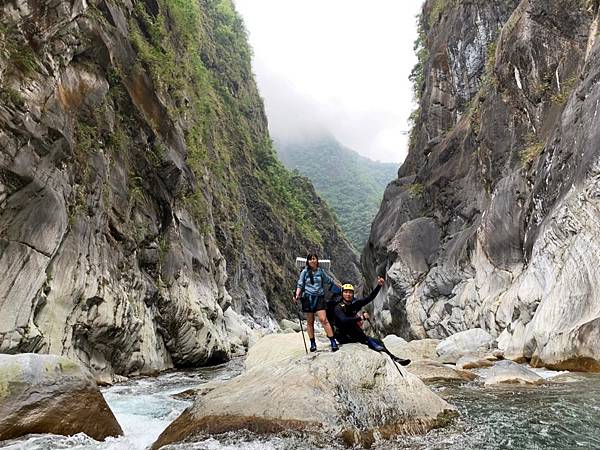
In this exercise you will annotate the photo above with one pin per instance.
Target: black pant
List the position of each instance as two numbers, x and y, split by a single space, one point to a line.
356 335
351 335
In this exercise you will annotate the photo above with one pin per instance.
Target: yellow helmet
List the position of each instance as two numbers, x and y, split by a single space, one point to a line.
347 287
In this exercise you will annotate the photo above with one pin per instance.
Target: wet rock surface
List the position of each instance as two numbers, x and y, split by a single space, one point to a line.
355 393
433 371
509 372
51 394
474 362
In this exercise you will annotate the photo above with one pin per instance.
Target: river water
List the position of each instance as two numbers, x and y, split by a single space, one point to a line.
562 415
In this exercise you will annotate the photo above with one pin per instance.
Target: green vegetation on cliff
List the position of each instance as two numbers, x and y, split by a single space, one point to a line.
140 194
207 85
351 184
200 63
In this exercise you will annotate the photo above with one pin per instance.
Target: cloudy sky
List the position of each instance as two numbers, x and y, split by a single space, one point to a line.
337 65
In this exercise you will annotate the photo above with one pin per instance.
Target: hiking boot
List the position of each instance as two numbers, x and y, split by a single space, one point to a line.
313 347
334 346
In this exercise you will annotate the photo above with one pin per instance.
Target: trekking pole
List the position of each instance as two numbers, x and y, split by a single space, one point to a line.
387 352
302 330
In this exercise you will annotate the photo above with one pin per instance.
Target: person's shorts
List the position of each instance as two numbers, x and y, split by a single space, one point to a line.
313 303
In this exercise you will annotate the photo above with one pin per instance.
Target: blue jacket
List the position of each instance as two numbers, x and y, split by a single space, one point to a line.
320 279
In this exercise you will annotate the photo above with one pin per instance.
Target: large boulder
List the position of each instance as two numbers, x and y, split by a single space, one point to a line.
288 326
474 341
275 348
510 372
51 394
355 394
417 350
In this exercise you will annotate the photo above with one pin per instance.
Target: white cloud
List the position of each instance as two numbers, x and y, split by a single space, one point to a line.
342 65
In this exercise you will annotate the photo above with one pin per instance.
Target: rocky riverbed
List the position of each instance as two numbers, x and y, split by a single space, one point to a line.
554 415
560 410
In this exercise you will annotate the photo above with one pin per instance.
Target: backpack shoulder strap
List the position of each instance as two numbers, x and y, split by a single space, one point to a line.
305 272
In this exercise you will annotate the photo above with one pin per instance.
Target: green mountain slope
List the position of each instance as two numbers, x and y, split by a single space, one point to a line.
352 184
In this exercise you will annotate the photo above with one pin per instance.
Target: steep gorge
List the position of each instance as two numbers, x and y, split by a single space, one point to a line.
145 221
352 184
493 219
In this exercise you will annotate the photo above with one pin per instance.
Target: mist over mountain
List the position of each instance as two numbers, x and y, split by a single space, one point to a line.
352 184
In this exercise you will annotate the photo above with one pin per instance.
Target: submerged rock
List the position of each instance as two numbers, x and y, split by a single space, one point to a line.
51 394
475 361
429 371
355 393
511 372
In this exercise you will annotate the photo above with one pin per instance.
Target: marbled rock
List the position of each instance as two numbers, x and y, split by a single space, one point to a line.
473 341
355 393
429 371
415 350
492 222
51 394
474 362
511 372
141 226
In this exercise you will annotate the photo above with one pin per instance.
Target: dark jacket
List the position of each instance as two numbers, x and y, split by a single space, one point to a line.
346 318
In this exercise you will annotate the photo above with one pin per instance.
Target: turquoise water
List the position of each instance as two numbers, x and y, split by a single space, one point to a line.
550 416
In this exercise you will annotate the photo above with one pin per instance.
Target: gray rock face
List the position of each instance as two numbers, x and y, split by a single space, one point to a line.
414 350
355 393
51 394
474 341
136 233
507 175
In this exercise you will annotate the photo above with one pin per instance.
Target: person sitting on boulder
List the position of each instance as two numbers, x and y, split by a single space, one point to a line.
347 320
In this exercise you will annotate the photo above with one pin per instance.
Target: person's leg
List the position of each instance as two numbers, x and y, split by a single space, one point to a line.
310 330
375 344
379 346
310 324
322 314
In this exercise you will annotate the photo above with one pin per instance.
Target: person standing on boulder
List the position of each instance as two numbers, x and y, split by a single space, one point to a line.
347 320
311 285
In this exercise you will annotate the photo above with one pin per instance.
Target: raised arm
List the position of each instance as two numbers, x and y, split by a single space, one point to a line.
369 298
